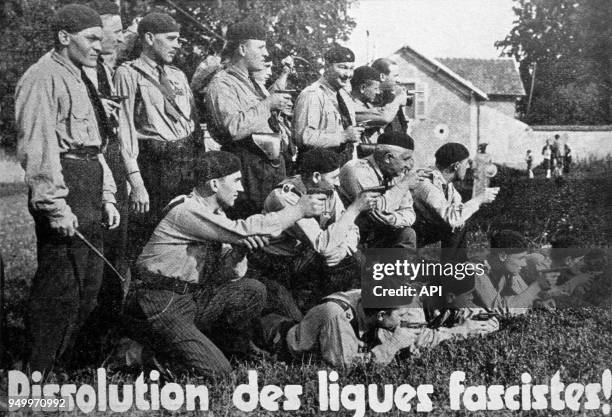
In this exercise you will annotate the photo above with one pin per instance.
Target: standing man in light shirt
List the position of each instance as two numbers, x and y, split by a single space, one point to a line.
324 116
156 125
240 116
58 114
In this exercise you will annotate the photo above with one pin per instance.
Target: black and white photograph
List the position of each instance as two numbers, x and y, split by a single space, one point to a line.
306 207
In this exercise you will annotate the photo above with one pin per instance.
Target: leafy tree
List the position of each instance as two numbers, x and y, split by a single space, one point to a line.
301 27
569 43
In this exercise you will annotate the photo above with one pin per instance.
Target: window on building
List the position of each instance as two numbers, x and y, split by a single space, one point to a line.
418 110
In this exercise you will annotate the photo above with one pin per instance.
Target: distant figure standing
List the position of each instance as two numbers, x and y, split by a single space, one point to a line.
547 151
557 157
483 169
567 158
529 160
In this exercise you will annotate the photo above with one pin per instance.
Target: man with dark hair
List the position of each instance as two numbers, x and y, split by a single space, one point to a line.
323 247
387 169
344 333
156 126
366 89
242 117
192 290
393 97
503 290
60 138
324 116
441 213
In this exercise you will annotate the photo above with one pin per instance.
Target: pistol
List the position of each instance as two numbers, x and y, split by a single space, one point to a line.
484 316
328 192
381 189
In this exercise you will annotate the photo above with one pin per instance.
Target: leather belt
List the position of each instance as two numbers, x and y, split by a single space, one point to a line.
152 281
89 153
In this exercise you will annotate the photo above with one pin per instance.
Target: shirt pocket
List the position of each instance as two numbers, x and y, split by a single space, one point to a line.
81 121
151 95
331 119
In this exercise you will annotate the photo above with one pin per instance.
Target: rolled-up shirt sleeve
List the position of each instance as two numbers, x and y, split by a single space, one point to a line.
454 213
397 202
223 107
35 110
109 188
309 124
128 138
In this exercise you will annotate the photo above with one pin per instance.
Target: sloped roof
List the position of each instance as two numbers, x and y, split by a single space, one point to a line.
493 76
439 66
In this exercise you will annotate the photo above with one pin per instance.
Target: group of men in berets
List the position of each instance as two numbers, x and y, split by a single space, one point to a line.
114 159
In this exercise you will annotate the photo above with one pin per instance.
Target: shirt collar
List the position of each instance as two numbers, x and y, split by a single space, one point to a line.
67 63
372 162
149 62
201 200
326 86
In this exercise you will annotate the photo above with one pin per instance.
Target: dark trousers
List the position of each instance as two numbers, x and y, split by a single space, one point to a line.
194 330
65 287
93 339
307 277
259 177
453 243
167 172
390 237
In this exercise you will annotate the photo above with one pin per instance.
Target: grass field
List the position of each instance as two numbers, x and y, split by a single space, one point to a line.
577 342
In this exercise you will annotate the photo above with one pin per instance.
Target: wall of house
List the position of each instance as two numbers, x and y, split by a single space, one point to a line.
505 106
445 110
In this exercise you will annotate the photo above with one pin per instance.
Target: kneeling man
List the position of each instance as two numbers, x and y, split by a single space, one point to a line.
192 291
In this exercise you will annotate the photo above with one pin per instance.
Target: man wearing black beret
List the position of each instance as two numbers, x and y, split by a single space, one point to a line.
441 214
240 115
389 225
156 125
60 140
324 116
192 288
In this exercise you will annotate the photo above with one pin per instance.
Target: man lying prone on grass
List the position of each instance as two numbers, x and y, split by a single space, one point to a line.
343 332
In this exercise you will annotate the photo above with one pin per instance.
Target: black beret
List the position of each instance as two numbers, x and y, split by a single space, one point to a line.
246 30
451 152
319 160
400 139
158 23
509 240
216 164
363 74
74 18
338 54
104 7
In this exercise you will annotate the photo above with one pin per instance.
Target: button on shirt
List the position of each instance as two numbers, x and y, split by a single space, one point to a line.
395 204
439 203
316 117
234 108
55 115
142 115
322 235
193 241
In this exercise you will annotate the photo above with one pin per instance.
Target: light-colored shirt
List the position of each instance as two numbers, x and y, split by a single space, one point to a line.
193 241
439 208
234 108
55 115
507 295
324 235
327 330
395 204
316 116
143 115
